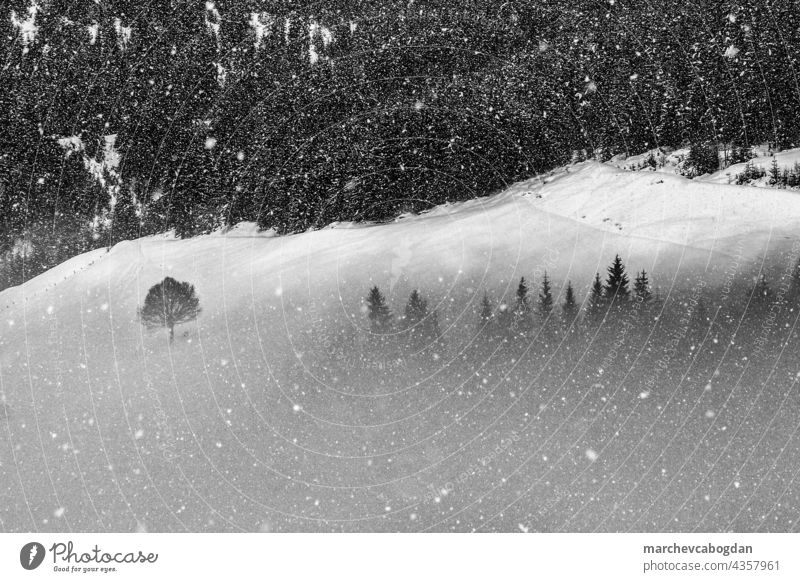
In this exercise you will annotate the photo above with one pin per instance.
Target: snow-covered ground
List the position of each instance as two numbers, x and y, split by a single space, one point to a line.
673 162
787 160
109 427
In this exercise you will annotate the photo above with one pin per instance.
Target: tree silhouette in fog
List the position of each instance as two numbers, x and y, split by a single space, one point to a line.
380 316
168 304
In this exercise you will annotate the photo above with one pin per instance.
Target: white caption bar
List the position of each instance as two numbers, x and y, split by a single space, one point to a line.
401 557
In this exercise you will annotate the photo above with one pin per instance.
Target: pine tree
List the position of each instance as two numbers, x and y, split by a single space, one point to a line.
378 312
597 300
545 298
703 159
431 333
422 327
487 320
641 288
523 322
522 297
416 310
774 173
125 224
569 309
616 288
168 304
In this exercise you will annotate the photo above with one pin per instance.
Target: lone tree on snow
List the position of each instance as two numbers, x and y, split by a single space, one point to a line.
168 304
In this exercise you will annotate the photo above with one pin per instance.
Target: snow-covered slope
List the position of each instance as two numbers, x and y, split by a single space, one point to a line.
787 160
673 162
108 426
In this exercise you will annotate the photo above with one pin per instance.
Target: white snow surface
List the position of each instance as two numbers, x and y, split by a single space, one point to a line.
120 428
786 161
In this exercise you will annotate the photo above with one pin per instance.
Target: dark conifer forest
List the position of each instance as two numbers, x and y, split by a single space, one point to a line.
121 119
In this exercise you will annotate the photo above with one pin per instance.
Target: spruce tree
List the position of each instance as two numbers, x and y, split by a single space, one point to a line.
545 298
703 159
523 322
616 288
422 327
641 288
569 308
774 173
378 312
522 297
432 335
416 310
487 321
597 300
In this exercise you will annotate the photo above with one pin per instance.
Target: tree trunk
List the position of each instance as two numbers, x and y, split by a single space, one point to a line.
171 333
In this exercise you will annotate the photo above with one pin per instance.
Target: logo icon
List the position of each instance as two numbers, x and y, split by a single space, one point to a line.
31 555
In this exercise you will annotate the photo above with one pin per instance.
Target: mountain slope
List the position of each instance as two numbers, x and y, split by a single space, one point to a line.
108 426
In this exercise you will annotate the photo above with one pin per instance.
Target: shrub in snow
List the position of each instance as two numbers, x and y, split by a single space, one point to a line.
168 304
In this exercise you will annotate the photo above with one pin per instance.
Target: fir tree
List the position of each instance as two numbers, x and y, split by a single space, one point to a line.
125 224
641 288
422 327
774 173
523 321
545 298
487 320
569 308
597 301
703 159
416 310
522 297
380 316
616 288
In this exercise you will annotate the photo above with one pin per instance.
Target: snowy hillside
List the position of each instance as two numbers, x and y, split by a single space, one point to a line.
109 426
761 160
